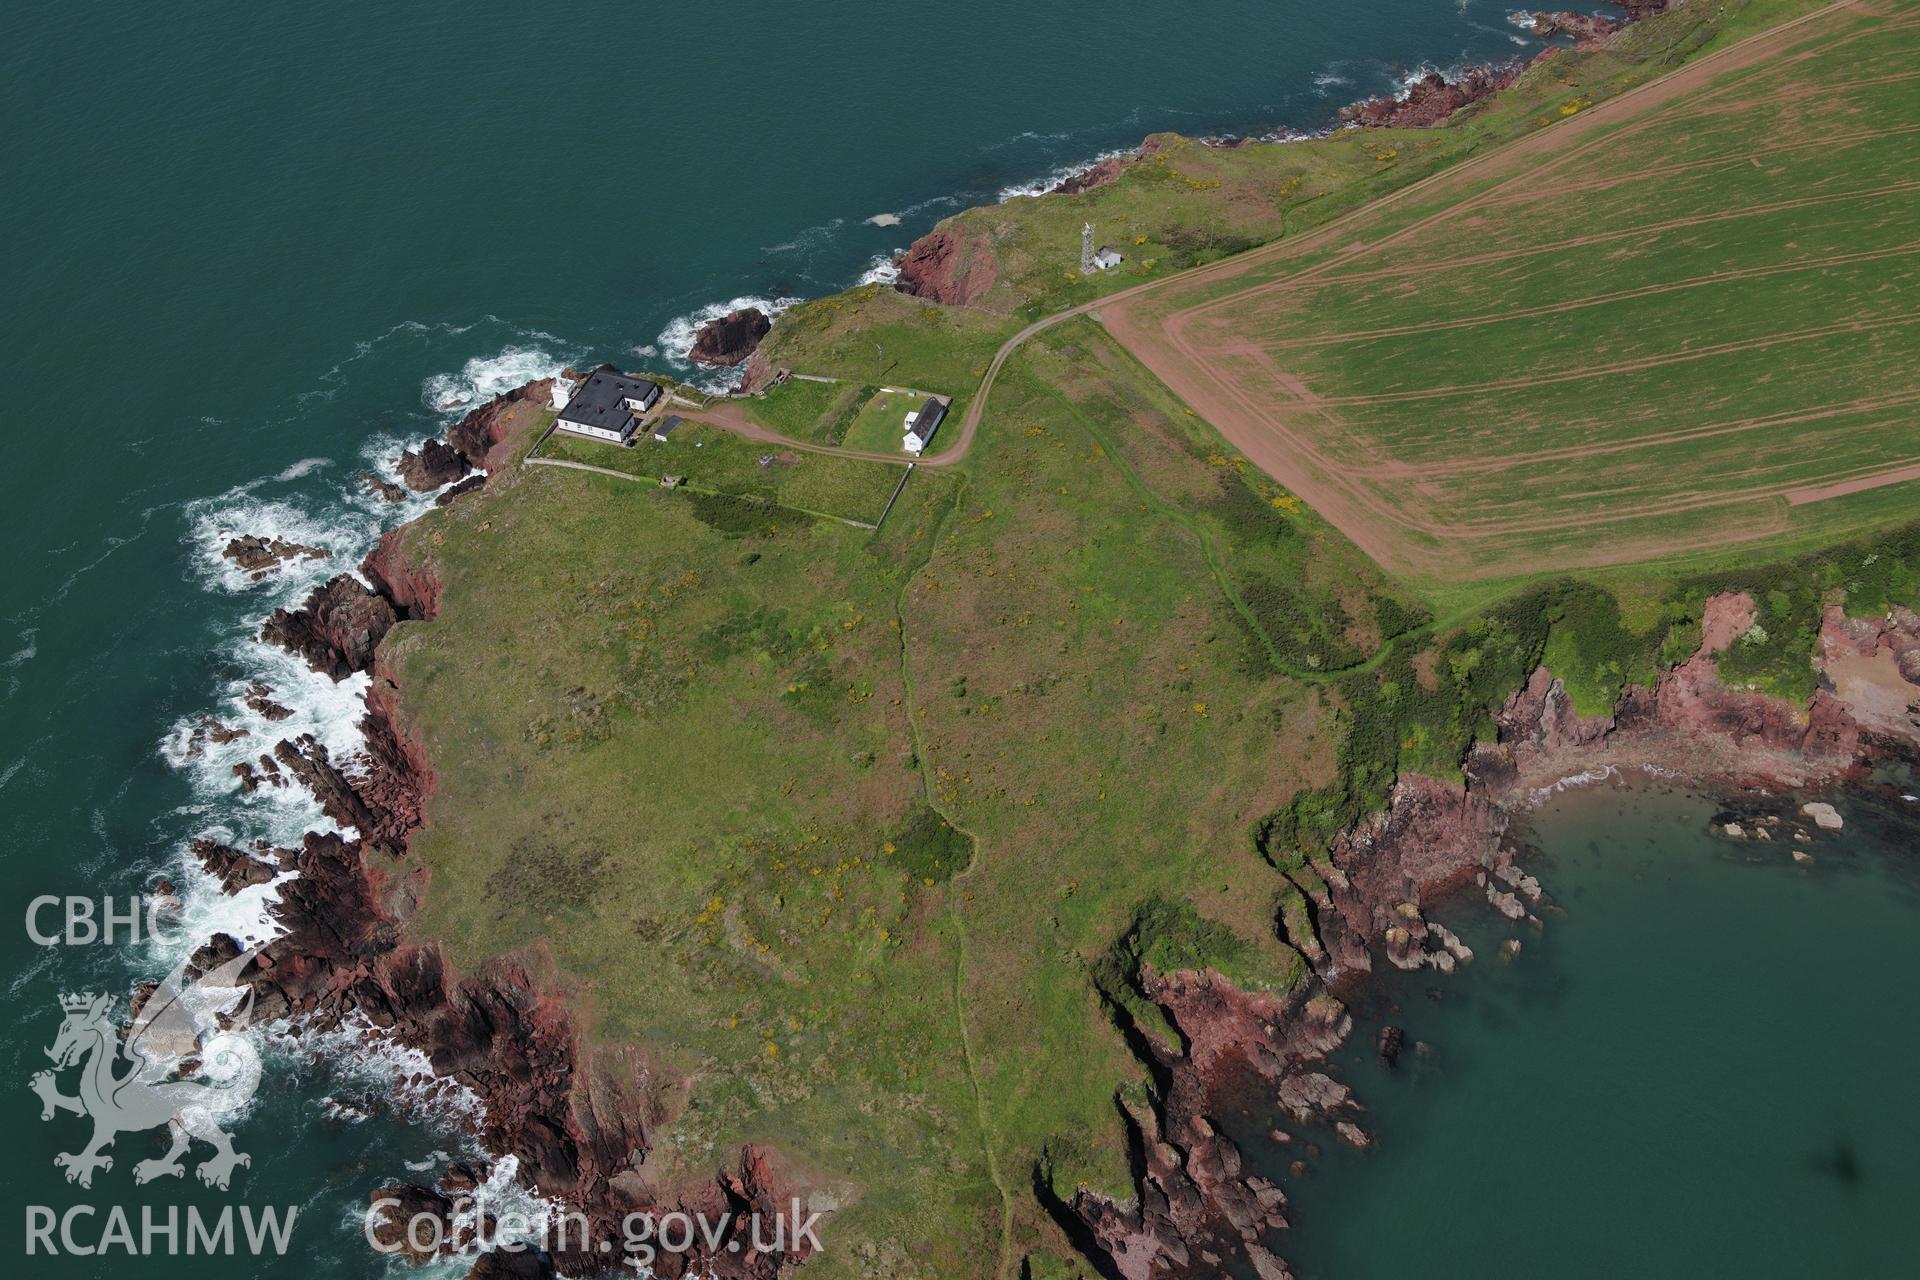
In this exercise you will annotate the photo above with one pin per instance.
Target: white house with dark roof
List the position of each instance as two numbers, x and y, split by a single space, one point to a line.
922 423
606 405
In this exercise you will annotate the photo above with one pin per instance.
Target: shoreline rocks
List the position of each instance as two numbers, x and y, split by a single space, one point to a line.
1824 815
1430 100
1368 894
482 436
336 628
1097 174
259 556
383 488
434 465
1584 28
235 869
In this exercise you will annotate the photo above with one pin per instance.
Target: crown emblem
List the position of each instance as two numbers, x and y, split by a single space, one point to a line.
77 1002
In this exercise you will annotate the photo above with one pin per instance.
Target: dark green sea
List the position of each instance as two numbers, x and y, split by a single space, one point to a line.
1702 1065
248 250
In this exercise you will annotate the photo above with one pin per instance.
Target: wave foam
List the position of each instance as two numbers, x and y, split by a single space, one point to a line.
29 649
1587 778
484 377
214 522
1042 186
304 467
884 269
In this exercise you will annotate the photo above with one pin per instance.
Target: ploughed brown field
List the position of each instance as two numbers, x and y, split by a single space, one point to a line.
1683 320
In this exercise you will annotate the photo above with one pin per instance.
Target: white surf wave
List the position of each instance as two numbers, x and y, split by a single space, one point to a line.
809 239
675 342
29 648
1042 186
240 512
372 1060
1587 778
884 220
206 909
882 270
484 377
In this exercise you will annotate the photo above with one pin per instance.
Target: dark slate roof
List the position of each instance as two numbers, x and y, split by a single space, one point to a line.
930 415
666 424
601 400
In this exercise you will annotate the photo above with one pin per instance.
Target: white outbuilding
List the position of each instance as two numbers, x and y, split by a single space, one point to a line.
922 423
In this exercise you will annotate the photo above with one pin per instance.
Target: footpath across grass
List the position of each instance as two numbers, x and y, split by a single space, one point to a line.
713 461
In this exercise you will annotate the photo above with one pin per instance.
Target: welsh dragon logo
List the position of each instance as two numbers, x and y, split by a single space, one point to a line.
145 1076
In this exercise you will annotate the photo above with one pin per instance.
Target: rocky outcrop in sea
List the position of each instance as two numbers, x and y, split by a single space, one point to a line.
729 340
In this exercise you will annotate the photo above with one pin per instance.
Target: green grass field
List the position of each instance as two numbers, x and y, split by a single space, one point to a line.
737 752
847 829
879 424
875 336
716 461
1687 327
805 410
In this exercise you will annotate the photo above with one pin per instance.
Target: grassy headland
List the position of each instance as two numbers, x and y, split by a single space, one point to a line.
861 836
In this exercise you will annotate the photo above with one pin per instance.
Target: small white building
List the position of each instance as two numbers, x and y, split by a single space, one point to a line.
1107 258
922 423
607 404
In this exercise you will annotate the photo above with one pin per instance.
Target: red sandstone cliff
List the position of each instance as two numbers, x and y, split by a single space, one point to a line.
483 435
1097 174
433 464
1691 725
413 589
950 264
